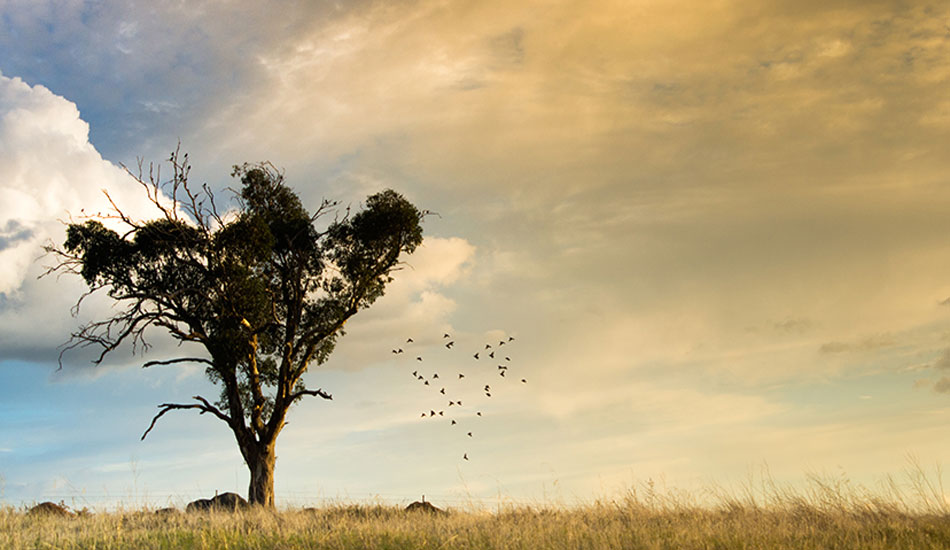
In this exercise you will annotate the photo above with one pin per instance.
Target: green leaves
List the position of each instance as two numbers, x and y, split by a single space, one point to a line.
266 291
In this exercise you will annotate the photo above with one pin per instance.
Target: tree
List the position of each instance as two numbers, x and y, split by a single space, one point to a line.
262 290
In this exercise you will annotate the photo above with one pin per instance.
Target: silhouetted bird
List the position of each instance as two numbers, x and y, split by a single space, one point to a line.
446 335
449 345
423 415
426 382
502 374
451 403
487 346
492 355
420 377
418 358
461 376
459 403
487 395
465 456
479 413
470 434
454 423
487 387
476 356
431 413
409 340
394 351
502 367
441 413
510 338
434 376
442 391
508 359
502 343
524 381
415 373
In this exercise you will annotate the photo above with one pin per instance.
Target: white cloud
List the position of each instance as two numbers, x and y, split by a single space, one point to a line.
49 173
414 305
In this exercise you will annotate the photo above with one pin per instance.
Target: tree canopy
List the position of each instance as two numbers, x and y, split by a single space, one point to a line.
263 289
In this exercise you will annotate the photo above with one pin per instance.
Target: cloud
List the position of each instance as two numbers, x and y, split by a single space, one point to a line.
13 232
871 343
942 385
49 173
793 325
415 304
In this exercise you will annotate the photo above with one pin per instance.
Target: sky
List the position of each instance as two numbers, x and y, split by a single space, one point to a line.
716 230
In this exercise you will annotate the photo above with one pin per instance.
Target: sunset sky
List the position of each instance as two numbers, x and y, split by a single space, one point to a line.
719 232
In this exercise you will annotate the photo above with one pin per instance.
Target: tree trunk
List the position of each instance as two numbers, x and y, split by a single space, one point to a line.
261 464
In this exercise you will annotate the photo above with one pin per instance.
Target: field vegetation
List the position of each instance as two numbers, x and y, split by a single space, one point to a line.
828 514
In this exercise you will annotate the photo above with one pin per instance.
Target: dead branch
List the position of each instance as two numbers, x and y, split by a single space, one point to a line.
203 406
316 393
178 360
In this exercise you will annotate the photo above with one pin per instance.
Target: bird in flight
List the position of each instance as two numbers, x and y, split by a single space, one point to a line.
487 387
523 381
508 359
431 413
446 335
510 338
442 391
476 356
451 403
434 376
479 413
465 456
502 343
426 382
502 374
461 376
492 355
487 346
470 434
449 345
418 358
408 340
454 422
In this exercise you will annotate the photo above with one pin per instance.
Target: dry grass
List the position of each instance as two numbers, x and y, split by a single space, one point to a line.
829 514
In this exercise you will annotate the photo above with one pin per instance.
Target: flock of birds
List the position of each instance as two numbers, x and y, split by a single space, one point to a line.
491 354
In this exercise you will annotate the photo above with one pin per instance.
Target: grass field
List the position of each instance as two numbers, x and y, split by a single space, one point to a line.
826 516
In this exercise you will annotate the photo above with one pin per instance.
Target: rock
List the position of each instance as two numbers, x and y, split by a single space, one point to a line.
423 507
228 502
200 505
50 509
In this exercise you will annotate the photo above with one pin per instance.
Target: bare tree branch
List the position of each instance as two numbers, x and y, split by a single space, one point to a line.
203 406
179 360
316 393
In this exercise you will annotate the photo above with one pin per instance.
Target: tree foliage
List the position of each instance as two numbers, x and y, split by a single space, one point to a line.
264 289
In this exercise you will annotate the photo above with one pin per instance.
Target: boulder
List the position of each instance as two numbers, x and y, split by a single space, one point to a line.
228 502
423 507
50 509
202 504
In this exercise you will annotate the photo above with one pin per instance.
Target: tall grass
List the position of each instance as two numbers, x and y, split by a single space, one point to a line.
830 513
